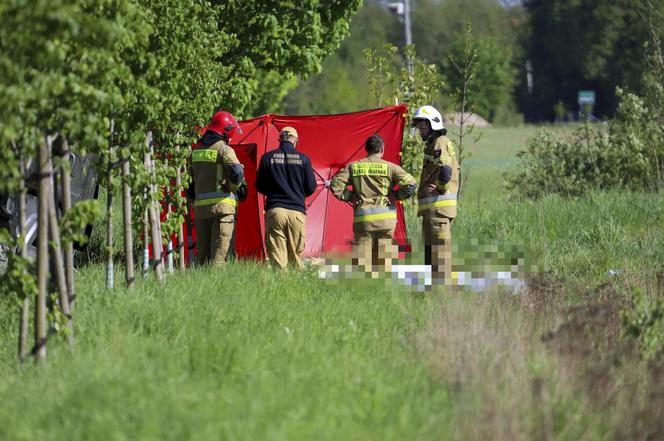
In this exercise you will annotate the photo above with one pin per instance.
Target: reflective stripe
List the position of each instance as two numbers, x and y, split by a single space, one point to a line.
204 155
407 180
374 214
215 197
446 200
369 169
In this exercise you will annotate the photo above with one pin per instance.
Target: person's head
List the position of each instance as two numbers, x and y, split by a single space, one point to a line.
374 145
428 121
224 124
289 134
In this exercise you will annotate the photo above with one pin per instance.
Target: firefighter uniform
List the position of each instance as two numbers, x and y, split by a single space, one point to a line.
438 208
368 185
215 201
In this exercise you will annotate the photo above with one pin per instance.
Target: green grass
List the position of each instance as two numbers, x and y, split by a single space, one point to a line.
248 353
242 353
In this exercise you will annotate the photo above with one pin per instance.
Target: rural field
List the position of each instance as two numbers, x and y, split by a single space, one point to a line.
248 353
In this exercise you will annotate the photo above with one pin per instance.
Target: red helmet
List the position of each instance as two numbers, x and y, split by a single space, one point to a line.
223 123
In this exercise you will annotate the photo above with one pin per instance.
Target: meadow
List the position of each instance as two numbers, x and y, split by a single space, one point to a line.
249 353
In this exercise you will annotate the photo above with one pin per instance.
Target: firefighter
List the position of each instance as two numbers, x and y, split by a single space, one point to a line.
369 185
217 178
437 193
286 178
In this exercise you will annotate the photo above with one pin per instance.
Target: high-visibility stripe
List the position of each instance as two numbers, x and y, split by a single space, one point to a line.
214 201
204 155
369 169
446 200
374 214
215 197
407 180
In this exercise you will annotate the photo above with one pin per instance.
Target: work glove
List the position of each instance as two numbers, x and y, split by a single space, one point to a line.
242 191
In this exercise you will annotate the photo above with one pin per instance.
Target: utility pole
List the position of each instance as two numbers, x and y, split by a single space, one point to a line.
402 11
408 36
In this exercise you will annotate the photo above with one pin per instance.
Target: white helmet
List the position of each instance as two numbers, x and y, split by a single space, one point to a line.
432 115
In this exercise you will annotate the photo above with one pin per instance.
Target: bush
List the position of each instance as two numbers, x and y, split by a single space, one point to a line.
628 154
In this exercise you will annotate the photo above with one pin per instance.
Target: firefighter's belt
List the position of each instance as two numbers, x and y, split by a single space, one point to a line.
375 214
445 200
215 197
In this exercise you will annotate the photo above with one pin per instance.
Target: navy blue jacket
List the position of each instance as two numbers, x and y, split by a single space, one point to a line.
286 177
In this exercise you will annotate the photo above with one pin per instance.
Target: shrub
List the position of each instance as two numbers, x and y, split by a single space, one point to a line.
627 154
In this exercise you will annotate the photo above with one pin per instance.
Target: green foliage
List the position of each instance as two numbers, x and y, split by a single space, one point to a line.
493 76
584 44
438 29
380 73
409 81
73 223
644 321
17 281
628 155
340 86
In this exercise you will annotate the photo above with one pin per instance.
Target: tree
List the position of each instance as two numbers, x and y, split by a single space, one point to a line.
340 87
494 77
104 75
582 44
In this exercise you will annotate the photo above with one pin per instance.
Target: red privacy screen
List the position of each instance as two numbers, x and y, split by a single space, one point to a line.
331 141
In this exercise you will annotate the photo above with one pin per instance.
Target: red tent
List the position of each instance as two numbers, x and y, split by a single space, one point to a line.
331 141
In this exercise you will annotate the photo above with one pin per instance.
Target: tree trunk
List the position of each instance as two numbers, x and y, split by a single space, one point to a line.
66 206
110 276
153 212
146 242
58 261
25 303
169 240
181 247
42 252
126 219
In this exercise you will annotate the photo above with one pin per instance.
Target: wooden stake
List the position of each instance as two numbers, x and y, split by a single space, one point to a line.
126 219
110 276
58 261
66 206
42 252
146 242
181 246
25 303
153 212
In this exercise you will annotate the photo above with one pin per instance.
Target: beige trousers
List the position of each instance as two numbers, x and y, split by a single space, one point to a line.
284 237
374 248
438 247
214 236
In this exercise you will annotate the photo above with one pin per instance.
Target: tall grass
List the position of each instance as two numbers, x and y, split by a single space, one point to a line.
243 353
248 353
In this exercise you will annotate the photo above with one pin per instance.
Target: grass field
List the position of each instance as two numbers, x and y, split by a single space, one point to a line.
247 353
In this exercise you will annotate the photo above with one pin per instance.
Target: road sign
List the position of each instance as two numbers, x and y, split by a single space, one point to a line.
586 97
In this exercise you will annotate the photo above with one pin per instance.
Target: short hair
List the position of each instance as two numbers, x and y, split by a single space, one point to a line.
287 136
374 144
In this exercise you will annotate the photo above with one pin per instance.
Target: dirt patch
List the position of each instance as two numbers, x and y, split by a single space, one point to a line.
551 361
607 367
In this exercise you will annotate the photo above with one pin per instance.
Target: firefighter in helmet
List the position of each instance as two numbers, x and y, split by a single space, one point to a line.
437 193
371 185
217 176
